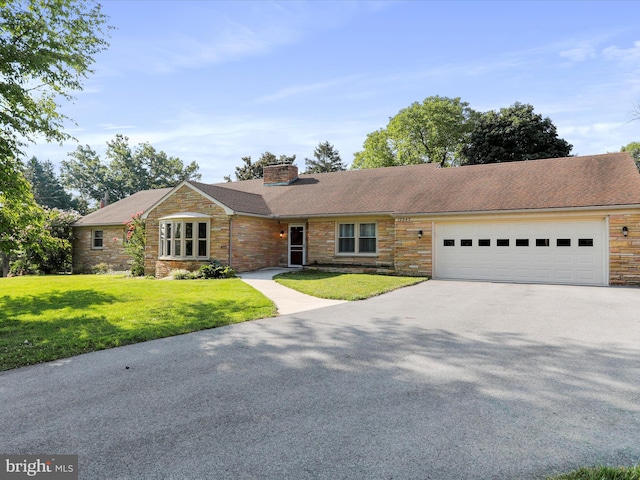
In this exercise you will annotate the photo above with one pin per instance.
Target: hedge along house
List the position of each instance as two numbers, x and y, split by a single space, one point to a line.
573 220
100 236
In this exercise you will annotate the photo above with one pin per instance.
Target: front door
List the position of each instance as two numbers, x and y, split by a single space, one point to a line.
296 245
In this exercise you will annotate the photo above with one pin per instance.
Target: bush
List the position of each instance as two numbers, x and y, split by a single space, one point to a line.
215 269
101 269
136 243
182 274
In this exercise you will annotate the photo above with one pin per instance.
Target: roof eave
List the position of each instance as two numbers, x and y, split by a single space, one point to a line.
521 210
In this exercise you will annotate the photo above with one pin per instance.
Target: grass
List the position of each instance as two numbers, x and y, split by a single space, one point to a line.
601 473
343 286
52 317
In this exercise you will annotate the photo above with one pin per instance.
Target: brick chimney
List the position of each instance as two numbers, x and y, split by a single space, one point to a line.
283 174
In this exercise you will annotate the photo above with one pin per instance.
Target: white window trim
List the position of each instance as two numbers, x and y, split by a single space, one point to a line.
182 219
356 253
93 239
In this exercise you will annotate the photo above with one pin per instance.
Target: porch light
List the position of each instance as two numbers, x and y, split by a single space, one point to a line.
625 231
419 233
281 233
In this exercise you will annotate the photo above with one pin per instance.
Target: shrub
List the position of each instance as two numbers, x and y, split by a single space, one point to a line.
182 274
101 269
215 269
135 244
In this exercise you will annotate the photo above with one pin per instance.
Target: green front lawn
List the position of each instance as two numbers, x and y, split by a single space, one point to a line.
343 286
52 317
601 473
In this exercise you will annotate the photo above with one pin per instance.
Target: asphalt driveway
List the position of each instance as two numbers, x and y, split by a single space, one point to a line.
443 380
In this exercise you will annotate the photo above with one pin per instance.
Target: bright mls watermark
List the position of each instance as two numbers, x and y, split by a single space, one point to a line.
49 467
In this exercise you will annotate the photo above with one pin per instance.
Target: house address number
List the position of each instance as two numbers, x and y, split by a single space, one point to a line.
403 219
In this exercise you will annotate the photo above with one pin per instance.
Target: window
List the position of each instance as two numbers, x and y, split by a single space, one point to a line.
484 242
502 242
522 242
184 238
542 242
585 242
466 243
449 243
357 238
563 242
97 239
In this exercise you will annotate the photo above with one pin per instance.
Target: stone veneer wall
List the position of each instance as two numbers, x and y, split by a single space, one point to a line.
112 252
321 244
413 254
624 252
256 244
186 199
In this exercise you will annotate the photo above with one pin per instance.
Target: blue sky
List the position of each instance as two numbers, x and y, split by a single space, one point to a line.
214 81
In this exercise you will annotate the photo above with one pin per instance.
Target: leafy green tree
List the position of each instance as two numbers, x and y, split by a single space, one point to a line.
250 170
435 131
513 134
46 247
19 215
46 50
327 159
46 187
125 172
634 149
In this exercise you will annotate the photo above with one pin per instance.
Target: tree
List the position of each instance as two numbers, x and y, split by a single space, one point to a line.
513 134
46 246
46 187
251 171
634 149
432 131
19 215
125 172
46 50
327 159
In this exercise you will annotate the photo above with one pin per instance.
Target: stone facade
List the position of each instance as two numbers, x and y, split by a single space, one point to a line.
321 244
85 257
256 243
186 199
249 243
624 252
413 255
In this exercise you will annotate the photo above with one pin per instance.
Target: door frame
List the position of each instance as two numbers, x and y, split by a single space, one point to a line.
304 243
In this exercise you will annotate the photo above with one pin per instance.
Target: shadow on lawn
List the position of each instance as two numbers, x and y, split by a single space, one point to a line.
56 300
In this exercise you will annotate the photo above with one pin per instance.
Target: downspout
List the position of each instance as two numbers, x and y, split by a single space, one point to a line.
230 237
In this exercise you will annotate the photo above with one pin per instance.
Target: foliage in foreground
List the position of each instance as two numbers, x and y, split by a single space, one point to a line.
343 286
51 317
601 473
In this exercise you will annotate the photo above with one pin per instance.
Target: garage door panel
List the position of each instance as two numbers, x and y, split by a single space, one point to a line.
533 253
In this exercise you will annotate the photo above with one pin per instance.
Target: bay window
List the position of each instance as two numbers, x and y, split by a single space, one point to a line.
184 237
357 238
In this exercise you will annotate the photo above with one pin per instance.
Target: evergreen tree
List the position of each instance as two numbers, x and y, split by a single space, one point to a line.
327 159
46 187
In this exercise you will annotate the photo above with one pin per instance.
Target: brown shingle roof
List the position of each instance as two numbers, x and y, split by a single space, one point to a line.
120 212
598 180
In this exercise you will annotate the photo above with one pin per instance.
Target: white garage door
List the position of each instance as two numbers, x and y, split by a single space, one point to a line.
529 252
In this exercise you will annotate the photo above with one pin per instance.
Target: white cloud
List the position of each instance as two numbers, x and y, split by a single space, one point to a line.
579 54
304 89
631 54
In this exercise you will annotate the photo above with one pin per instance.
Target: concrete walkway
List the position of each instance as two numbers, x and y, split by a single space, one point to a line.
287 300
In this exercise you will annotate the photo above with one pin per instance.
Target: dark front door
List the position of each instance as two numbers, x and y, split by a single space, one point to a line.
296 245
